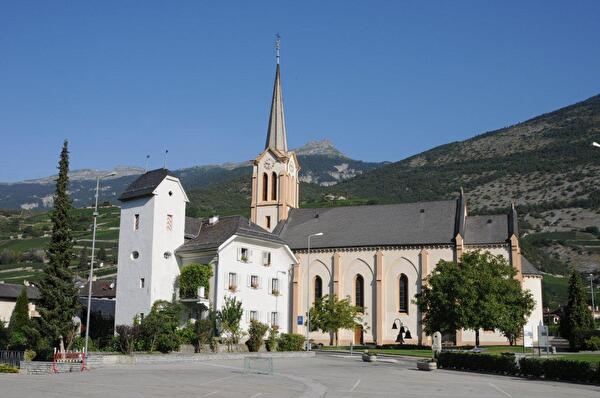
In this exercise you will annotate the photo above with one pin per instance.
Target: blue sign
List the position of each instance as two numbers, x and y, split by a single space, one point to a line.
300 320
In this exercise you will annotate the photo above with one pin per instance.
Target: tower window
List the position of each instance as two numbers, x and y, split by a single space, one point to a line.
136 222
274 187
265 187
142 283
268 222
135 255
169 222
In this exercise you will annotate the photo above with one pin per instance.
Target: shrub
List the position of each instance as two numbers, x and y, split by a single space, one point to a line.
272 340
593 343
4 368
256 333
158 330
531 367
126 337
560 369
290 342
192 277
29 355
504 364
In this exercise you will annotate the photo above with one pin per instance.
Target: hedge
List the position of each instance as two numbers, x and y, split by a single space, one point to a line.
549 369
504 364
290 342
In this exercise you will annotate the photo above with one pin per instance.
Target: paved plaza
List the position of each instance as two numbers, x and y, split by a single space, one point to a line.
323 376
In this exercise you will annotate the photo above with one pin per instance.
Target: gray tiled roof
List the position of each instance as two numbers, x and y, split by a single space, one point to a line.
377 225
12 291
211 236
145 184
486 229
527 268
100 288
192 227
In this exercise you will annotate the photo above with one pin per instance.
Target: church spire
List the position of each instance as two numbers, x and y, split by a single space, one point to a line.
276 136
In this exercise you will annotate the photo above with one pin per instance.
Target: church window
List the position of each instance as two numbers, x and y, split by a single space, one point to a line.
169 222
268 222
274 187
359 290
136 222
265 187
318 288
403 293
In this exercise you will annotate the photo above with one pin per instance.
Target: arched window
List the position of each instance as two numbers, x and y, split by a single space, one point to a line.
318 288
274 187
265 187
359 290
403 293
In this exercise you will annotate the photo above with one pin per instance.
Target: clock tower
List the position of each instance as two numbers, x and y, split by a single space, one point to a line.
275 171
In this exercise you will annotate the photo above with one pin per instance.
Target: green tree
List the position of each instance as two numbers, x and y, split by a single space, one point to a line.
576 318
330 315
158 330
256 334
21 334
229 318
480 292
3 335
102 254
58 304
83 259
192 277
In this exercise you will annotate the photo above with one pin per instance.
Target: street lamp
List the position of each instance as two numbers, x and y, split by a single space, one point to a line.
277 296
402 333
308 290
89 304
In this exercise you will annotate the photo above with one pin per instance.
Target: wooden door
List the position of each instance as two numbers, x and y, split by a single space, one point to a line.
358 335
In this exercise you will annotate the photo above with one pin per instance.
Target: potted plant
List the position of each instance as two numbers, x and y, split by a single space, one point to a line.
244 259
232 288
369 356
275 292
427 364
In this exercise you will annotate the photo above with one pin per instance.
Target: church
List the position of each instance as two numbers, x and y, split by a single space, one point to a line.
379 255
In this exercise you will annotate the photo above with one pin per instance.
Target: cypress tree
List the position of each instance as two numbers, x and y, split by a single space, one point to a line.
58 303
576 318
20 316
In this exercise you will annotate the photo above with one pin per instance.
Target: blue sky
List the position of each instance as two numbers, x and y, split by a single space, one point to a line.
382 79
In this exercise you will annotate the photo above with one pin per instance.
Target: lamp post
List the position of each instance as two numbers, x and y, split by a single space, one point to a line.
402 333
277 296
89 304
308 290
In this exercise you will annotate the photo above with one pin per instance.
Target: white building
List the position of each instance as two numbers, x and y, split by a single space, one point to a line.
156 240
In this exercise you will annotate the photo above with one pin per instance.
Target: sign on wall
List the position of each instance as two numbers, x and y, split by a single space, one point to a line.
300 320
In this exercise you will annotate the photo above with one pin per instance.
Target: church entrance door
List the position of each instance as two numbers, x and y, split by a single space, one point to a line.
358 335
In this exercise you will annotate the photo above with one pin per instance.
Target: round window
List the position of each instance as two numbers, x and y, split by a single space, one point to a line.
170 193
135 255
167 254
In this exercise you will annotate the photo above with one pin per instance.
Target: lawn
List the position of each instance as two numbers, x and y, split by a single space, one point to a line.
593 358
425 352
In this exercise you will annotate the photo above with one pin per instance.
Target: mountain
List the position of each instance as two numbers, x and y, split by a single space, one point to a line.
546 165
321 164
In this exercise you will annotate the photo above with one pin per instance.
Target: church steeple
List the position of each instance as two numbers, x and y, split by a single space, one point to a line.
276 136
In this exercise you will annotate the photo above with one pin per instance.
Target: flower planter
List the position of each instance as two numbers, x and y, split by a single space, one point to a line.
426 365
369 358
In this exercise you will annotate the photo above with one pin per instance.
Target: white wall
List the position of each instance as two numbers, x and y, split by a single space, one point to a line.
260 299
534 285
152 240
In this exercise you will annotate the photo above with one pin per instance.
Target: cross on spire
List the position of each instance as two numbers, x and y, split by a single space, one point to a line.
277 46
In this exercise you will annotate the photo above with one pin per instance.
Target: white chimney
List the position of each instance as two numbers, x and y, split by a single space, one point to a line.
213 220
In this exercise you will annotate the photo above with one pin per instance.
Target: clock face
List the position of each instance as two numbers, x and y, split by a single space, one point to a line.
269 164
291 168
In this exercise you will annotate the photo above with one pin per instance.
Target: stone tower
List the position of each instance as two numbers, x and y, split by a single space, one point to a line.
275 171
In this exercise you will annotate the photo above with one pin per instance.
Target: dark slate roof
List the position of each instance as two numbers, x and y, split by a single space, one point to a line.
145 184
212 236
486 229
12 291
527 268
100 289
192 227
376 225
